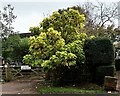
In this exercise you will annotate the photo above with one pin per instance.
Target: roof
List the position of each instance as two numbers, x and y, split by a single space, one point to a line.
22 35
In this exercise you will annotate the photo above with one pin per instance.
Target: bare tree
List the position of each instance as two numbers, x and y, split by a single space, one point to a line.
6 19
101 13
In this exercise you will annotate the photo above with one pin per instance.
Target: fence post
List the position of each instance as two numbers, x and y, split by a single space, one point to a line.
7 71
110 83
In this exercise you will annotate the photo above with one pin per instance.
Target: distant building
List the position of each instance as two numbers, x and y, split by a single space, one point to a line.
22 35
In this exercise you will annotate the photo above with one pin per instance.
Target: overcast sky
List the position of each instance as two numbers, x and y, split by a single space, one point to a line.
30 12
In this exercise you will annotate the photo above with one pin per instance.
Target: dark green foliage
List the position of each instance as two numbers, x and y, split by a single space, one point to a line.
117 64
63 75
14 48
99 52
8 47
103 71
35 30
22 48
0 46
99 55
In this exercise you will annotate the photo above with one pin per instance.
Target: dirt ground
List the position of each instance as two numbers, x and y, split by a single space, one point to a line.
18 87
24 85
28 86
118 77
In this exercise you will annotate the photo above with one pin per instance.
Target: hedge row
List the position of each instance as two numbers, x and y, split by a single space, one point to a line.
117 64
99 53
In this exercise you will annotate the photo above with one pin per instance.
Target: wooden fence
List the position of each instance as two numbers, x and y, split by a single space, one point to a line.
10 72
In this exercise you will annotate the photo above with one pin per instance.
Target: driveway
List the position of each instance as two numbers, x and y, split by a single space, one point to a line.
21 86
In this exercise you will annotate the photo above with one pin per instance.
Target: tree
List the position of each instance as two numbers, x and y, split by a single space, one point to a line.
22 48
102 13
35 30
95 23
6 19
14 48
60 41
100 18
8 47
1 47
73 22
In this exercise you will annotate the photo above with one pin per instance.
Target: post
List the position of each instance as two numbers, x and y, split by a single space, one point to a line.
110 83
8 74
0 68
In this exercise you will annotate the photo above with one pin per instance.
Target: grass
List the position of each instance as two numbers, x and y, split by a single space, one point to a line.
45 90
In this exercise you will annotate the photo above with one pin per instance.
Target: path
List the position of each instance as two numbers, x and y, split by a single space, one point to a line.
21 86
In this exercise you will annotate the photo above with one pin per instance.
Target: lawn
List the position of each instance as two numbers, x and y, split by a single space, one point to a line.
45 90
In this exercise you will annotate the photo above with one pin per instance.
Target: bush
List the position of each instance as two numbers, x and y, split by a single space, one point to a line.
99 55
58 75
63 75
99 52
117 64
103 71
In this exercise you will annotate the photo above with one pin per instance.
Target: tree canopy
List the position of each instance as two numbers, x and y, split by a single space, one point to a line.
60 41
7 17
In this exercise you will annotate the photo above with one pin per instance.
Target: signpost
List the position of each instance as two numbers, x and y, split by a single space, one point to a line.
25 67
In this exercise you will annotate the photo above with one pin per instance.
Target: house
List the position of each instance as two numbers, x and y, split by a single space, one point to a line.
22 35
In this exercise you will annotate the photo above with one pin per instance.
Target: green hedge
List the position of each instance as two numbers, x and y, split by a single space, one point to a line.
99 52
117 64
63 75
103 71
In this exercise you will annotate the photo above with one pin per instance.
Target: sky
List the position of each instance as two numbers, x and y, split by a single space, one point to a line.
31 12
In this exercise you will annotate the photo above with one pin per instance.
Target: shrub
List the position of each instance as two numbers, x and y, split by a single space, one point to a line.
99 55
99 52
59 75
117 64
63 75
103 71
